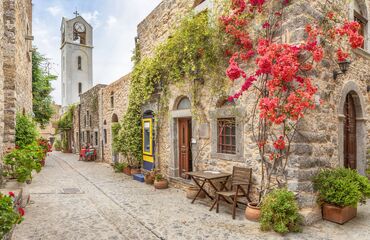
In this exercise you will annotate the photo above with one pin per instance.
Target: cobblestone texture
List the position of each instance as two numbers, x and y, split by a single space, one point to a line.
112 206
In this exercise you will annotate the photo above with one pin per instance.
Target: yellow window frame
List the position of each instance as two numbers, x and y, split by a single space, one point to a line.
148 120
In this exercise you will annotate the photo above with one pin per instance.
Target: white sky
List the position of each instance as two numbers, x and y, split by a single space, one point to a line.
114 23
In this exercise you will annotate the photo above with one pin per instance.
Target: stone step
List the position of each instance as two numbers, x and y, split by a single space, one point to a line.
310 215
307 200
180 183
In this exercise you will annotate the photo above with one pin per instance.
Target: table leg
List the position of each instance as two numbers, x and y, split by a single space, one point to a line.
200 189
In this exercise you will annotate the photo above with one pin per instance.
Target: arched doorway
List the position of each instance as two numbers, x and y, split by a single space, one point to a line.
350 138
352 131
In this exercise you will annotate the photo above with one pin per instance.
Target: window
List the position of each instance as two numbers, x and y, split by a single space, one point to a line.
79 88
85 122
83 136
79 62
184 104
96 138
88 117
105 136
226 142
360 16
112 100
90 121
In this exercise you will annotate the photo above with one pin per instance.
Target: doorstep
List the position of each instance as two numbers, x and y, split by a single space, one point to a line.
180 183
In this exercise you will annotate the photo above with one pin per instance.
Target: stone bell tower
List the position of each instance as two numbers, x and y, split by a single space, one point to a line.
76 62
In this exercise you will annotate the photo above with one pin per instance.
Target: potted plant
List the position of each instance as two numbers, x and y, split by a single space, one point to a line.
149 177
279 212
127 169
160 182
340 190
118 167
135 170
253 211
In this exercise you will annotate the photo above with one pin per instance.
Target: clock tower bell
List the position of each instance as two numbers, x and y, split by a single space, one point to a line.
76 62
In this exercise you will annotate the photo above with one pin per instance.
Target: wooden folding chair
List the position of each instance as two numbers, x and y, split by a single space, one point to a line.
240 185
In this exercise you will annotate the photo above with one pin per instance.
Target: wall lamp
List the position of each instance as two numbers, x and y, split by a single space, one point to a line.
344 66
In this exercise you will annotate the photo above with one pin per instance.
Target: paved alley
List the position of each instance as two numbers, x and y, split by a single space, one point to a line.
72 199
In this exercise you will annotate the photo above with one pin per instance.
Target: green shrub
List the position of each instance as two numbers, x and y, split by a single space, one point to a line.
279 212
22 161
25 131
118 167
57 145
8 217
341 187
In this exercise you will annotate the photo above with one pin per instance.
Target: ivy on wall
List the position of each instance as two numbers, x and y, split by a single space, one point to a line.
190 55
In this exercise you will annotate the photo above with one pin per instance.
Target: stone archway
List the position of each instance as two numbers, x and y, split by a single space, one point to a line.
351 94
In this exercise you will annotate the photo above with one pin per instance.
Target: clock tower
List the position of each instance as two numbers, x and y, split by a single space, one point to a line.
76 62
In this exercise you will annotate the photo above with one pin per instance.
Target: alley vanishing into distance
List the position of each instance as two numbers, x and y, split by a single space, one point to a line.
72 199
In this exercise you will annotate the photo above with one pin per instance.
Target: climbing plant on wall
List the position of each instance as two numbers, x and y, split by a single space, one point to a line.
191 55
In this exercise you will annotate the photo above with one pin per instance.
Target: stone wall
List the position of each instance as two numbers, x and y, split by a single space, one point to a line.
90 117
319 142
119 90
1 91
17 65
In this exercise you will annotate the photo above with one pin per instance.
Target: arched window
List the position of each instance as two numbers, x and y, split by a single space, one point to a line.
114 118
184 104
360 16
79 63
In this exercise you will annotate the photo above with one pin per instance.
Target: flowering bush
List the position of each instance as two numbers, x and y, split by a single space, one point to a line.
281 80
8 217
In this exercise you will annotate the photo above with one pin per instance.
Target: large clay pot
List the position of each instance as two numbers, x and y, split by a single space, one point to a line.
191 192
161 184
127 171
253 212
336 214
135 171
149 179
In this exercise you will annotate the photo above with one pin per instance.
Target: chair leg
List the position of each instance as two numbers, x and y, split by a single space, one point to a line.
234 206
218 203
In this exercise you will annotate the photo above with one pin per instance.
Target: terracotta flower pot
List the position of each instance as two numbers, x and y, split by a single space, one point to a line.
149 179
336 214
253 212
191 192
135 171
161 184
127 171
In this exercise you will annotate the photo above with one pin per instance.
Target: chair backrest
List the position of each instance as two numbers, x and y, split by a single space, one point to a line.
241 176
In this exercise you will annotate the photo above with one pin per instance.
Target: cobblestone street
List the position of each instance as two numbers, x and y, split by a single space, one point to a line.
85 200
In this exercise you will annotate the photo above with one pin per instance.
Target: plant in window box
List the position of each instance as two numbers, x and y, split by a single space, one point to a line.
340 190
160 182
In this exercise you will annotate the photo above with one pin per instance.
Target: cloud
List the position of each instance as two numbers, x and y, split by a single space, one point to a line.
54 10
111 21
92 18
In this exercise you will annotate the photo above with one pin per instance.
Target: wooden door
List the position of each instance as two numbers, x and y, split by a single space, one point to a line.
350 145
184 139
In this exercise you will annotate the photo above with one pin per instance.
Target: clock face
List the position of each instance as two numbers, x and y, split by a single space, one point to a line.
79 27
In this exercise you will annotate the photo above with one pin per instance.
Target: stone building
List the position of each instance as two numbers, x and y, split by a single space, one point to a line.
89 112
49 131
114 104
15 67
324 139
17 64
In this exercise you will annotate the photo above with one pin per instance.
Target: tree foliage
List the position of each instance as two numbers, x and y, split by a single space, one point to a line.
25 131
41 89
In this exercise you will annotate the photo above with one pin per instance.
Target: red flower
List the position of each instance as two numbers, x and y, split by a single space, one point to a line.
12 194
342 56
21 211
266 25
280 143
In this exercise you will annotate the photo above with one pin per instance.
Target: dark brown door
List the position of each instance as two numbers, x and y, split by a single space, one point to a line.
350 146
184 139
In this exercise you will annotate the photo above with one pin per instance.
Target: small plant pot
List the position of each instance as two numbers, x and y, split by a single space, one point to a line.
253 212
161 184
127 171
149 179
191 192
135 171
338 215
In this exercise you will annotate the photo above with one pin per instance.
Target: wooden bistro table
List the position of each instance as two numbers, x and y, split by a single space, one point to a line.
202 177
